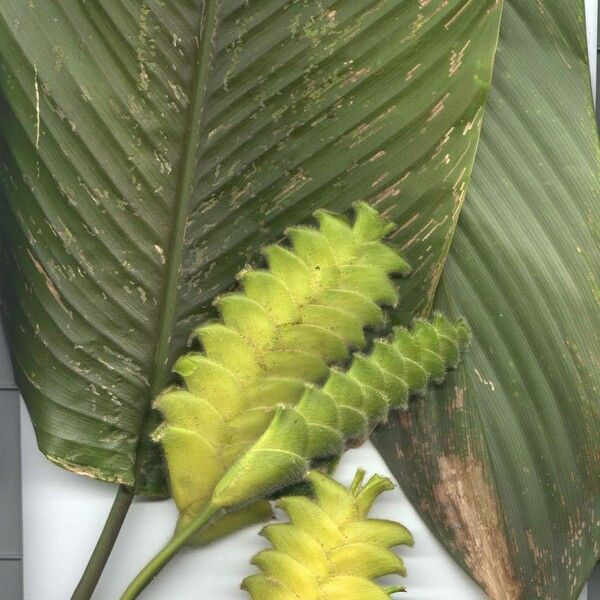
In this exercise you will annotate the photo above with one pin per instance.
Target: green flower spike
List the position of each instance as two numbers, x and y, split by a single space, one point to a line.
252 418
325 420
344 410
307 311
330 550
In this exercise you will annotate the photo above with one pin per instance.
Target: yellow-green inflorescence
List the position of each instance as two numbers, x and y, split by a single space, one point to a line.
262 402
277 336
329 549
344 410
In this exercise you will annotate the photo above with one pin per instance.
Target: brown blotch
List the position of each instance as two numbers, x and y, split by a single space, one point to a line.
471 510
49 283
458 401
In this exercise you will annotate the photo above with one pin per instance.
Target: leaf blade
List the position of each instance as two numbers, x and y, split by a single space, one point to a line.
508 454
302 108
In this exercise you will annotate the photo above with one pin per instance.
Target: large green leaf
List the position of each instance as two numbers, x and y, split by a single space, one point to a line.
150 147
504 465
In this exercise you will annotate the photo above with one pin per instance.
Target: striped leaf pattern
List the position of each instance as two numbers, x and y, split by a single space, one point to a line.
503 464
149 148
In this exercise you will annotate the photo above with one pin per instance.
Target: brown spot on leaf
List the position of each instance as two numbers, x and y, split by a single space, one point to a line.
459 398
471 510
411 72
438 108
91 472
49 283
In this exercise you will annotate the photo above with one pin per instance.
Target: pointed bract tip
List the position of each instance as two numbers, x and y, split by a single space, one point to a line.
463 332
369 224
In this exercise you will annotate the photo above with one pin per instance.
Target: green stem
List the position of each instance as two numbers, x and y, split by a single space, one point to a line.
393 589
153 568
89 580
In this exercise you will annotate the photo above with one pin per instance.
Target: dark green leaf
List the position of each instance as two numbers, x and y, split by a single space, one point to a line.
504 465
150 147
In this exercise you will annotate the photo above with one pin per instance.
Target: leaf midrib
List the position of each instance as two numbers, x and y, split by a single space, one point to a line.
183 194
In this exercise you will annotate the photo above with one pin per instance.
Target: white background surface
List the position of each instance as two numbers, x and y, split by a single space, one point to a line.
64 513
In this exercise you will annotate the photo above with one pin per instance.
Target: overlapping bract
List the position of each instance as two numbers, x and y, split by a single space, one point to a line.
344 410
308 310
330 550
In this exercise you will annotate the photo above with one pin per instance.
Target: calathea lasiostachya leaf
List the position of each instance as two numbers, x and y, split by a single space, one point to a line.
150 147
503 464
322 424
329 549
280 333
